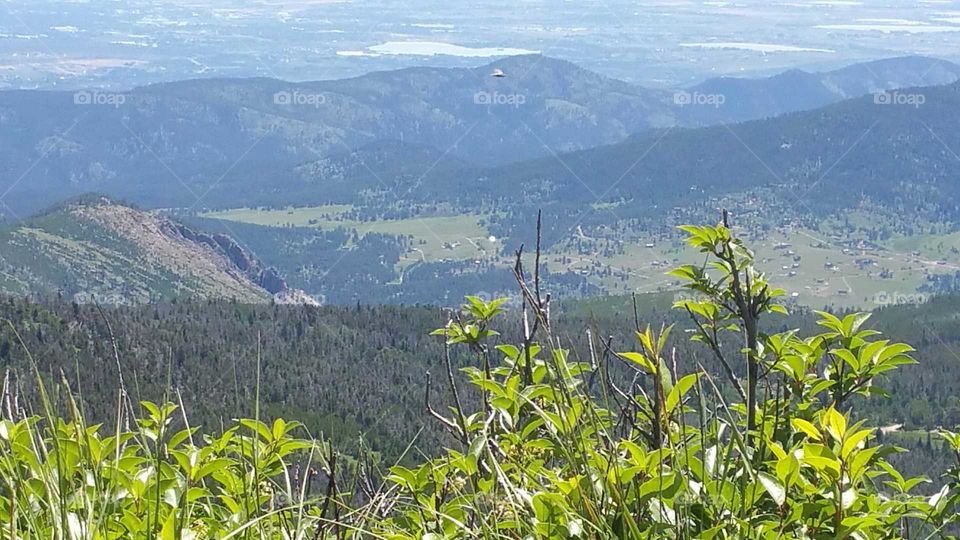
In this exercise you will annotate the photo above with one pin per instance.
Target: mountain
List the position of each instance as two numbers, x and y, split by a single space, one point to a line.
810 165
93 249
383 166
170 144
796 90
237 142
902 155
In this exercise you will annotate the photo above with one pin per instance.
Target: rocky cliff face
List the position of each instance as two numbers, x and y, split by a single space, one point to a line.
95 249
267 277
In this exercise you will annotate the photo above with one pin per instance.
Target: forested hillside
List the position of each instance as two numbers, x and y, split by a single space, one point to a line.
358 371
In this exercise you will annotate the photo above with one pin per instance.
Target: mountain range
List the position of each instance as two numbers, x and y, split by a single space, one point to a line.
898 149
902 155
234 142
167 146
797 90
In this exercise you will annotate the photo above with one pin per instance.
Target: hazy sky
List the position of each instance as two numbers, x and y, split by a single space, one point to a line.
76 42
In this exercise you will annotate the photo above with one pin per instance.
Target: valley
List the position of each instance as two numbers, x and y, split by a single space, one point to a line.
387 219
819 267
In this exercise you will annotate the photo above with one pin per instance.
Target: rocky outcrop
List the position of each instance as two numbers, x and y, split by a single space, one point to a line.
271 281
264 276
295 297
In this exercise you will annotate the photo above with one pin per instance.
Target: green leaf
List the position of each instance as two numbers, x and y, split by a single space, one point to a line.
851 441
788 467
807 428
834 423
152 409
257 427
664 335
774 488
214 466
169 530
680 390
849 358
639 359
686 272
777 308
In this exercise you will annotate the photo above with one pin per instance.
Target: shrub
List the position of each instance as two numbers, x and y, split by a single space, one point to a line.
563 449
61 478
610 444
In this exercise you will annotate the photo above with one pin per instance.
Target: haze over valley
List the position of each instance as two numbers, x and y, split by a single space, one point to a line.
60 43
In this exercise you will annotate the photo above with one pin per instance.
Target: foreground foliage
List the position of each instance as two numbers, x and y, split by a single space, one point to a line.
760 442
560 449
64 479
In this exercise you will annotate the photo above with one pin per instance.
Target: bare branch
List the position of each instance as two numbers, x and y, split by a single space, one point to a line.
719 354
450 425
456 394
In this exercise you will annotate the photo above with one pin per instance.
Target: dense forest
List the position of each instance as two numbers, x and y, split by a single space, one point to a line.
352 372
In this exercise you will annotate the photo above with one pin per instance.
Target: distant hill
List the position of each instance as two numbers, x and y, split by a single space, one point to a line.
796 90
168 144
95 250
234 142
901 156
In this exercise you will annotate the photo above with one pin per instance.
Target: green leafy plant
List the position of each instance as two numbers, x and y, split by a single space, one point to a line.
70 480
603 444
624 446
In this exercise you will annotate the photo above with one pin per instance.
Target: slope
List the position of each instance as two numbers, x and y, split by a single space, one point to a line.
95 250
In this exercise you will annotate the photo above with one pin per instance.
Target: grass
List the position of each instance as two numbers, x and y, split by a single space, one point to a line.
434 238
943 248
296 217
826 274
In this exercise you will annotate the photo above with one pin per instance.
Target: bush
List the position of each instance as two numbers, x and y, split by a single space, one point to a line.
613 444
562 449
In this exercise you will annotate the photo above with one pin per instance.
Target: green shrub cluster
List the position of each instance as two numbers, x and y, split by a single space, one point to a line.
562 444
561 450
